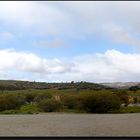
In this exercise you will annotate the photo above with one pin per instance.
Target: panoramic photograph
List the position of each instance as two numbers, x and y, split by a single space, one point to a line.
70 68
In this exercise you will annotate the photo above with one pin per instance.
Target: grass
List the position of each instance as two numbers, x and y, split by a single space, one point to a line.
133 109
29 109
25 109
130 109
33 110
9 112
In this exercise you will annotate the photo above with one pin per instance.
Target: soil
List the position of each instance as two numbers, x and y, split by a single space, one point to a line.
62 124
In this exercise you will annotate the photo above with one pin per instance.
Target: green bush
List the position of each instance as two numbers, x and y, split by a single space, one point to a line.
29 97
10 101
130 109
49 105
70 101
123 95
29 109
100 103
9 112
41 96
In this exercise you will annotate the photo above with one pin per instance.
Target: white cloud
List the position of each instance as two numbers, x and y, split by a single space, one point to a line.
111 66
28 62
40 16
116 21
76 19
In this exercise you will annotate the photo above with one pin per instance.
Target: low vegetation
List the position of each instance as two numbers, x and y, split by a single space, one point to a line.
100 103
78 97
49 105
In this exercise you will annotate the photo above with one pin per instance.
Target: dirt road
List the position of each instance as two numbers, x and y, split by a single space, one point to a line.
55 124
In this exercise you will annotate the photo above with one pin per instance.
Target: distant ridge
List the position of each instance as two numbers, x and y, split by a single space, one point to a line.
19 85
121 85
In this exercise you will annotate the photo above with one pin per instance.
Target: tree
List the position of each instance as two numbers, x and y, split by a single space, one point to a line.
72 82
134 88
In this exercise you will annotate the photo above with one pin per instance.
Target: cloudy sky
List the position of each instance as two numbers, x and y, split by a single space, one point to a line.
70 41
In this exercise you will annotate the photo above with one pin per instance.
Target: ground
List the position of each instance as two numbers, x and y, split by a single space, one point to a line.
62 124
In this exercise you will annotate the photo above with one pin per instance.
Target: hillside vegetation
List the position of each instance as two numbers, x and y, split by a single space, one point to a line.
18 97
19 85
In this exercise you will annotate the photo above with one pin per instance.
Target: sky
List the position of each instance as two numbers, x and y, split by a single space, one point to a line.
63 41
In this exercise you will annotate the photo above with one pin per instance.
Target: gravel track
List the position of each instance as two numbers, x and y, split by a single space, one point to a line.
61 124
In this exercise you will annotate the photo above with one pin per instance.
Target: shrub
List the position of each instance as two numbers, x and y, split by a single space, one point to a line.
10 101
131 109
100 103
135 100
30 97
9 112
41 96
124 97
49 105
70 101
138 99
29 109
134 88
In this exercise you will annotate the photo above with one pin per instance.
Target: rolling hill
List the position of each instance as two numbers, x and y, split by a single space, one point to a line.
18 85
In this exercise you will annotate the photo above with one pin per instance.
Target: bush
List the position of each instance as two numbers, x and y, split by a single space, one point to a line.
135 100
10 101
9 112
134 88
30 97
138 99
29 109
124 97
70 101
131 109
41 96
49 105
100 103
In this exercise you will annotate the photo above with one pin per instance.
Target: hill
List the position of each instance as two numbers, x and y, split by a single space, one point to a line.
121 85
19 85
